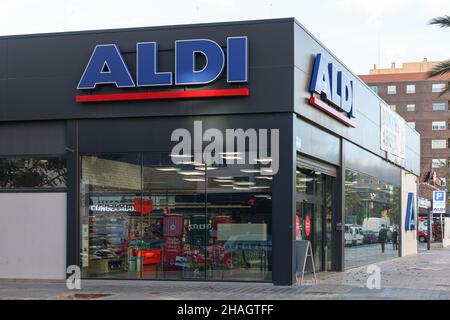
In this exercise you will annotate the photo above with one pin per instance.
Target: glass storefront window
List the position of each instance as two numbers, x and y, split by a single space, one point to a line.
110 194
36 172
372 218
240 213
145 217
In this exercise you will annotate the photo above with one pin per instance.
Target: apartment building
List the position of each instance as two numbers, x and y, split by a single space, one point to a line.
424 105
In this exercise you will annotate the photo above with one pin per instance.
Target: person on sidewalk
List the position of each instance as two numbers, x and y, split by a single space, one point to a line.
395 238
382 237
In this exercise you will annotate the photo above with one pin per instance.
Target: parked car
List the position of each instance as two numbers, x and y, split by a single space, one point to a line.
423 236
353 234
369 237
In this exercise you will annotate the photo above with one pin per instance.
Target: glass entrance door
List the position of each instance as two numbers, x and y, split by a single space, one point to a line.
314 215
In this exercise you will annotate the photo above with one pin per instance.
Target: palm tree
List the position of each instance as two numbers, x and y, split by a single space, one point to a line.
444 66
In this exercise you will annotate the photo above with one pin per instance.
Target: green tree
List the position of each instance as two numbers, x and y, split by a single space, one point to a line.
444 66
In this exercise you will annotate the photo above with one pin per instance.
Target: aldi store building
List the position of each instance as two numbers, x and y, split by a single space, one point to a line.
196 152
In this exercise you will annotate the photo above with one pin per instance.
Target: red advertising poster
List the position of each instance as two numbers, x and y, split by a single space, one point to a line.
307 226
143 205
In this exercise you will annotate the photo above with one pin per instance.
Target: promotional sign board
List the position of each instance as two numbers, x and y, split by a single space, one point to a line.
439 201
303 250
392 133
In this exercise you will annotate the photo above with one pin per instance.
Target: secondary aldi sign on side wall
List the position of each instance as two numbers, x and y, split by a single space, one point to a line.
107 66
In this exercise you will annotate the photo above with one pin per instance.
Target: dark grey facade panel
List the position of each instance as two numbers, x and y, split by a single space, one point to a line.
32 138
317 143
154 133
367 163
31 99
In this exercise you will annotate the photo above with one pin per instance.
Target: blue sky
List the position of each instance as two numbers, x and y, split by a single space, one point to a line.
360 32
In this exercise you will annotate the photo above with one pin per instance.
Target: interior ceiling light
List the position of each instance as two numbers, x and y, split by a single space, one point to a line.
205 168
194 179
250 170
263 160
241 188
168 169
263 177
245 183
191 173
181 155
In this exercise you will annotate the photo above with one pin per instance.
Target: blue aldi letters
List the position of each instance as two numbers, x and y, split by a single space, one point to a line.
332 84
107 66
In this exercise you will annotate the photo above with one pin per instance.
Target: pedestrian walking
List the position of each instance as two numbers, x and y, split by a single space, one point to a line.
382 237
395 238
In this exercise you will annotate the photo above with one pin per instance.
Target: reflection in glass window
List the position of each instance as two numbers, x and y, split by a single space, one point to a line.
438 87
441 106
410 88
438 163
391 89
372 219
145 217
410 107
438 144
305 181
32 173
438 125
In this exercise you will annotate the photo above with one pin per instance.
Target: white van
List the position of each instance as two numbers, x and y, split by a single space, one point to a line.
353 235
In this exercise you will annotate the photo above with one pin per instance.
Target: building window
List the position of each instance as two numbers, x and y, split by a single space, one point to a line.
438 125
438 144
438 163
411 88
411 124
393 107
374 89
410 107
32 173
441 106
391 89
372 208
438 87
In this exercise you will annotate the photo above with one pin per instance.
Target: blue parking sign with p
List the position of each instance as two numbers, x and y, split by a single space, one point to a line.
439 196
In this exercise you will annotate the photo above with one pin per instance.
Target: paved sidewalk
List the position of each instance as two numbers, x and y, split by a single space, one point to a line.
424 276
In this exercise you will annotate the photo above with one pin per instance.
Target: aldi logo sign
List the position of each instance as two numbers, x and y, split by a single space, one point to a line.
106 66
333 89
